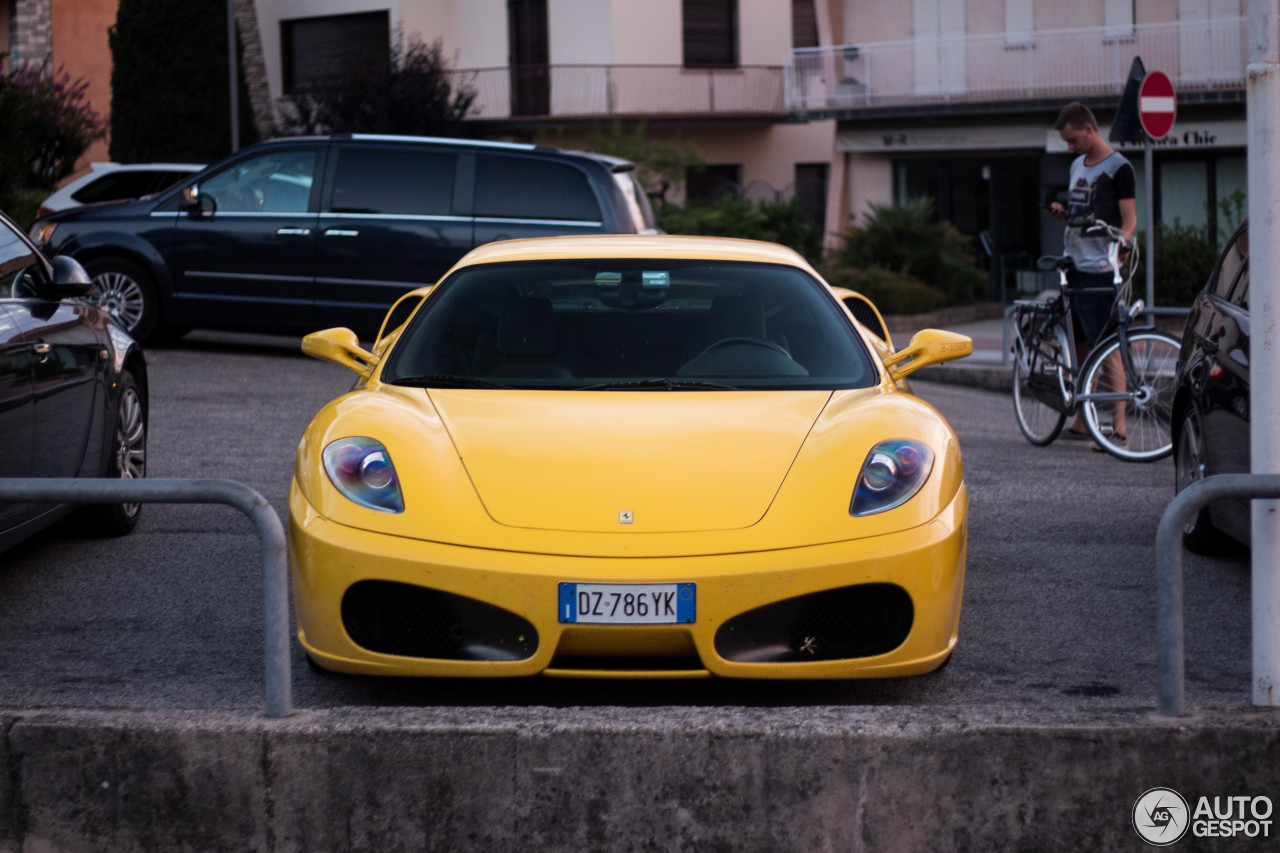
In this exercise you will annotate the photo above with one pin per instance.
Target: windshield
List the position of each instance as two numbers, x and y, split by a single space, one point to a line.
608 324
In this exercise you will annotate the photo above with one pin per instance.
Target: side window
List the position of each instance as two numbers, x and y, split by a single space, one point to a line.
394 182
1234 258
1240 293
274 182
529 188
20 269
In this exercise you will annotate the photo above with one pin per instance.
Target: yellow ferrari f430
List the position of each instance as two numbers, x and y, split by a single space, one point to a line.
629 456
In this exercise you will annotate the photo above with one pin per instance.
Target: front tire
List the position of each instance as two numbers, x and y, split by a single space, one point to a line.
128 460
1148 408
1199 536
127 292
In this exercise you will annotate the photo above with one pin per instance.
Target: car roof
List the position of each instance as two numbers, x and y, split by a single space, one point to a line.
637 246
613 163
112 166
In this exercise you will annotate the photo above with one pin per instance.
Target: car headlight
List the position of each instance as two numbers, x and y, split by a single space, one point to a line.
361 469
892 473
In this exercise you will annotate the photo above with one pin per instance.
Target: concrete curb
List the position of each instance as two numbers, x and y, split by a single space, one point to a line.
612 779
983 376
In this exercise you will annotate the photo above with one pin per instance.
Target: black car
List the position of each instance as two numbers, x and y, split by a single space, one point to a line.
73 388
298 234
1211 405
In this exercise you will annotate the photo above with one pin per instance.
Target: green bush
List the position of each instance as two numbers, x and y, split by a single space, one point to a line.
730 216
892 293
170 99
1185 257
47 127
21 205
905 238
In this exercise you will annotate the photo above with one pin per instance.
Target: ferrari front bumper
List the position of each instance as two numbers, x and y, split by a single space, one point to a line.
786 613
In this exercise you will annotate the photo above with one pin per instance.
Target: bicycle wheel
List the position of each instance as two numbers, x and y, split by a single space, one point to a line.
1137 425
1037 390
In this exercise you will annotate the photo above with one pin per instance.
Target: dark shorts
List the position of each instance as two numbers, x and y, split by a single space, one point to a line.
1091 311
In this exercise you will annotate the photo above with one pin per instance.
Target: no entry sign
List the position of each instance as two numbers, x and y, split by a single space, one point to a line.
1157 104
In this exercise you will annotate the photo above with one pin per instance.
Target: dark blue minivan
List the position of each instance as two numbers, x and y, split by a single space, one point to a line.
299 234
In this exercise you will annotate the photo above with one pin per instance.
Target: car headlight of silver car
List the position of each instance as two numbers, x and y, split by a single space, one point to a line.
891 475
361 469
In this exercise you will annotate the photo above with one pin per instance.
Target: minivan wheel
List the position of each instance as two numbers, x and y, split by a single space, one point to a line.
125 291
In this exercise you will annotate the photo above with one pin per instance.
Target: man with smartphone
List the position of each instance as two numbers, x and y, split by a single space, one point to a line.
1102 188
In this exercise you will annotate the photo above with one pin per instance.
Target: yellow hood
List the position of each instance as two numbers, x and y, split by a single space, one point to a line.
642 462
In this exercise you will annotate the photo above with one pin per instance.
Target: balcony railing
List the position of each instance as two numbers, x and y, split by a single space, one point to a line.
566 91
1066 64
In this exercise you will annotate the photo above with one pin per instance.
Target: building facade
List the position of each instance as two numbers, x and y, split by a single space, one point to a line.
844 103
706 72
954 100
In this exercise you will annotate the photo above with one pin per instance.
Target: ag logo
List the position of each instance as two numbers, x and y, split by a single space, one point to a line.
1161 816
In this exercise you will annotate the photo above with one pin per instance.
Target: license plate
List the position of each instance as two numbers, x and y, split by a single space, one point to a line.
627 603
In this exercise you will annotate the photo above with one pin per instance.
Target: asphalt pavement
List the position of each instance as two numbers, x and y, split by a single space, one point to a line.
131 687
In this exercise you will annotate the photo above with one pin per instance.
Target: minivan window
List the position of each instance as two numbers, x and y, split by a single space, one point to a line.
411 183
274 182
633 194
531 188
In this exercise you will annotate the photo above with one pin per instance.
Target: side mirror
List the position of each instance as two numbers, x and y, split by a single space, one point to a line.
340 346
929 346
69 278
196 203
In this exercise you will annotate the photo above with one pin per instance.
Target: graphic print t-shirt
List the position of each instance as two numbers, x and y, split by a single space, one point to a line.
1095 193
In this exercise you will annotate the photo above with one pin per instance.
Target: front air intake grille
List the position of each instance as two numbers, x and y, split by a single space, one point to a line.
413 621
838 624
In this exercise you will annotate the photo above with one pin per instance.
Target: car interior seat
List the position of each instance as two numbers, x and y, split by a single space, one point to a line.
527 340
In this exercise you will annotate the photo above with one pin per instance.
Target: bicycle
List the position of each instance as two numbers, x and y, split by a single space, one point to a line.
1129 367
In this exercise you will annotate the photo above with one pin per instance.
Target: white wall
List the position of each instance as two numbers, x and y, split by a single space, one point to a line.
272 12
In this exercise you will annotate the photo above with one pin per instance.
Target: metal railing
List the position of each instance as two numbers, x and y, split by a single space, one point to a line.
275 554
622 90
1171 654
1197 55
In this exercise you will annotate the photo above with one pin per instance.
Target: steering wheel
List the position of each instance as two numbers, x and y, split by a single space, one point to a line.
755 342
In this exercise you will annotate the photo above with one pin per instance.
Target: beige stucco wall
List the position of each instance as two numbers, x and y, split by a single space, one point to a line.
870 181
646 32
80 48
473 34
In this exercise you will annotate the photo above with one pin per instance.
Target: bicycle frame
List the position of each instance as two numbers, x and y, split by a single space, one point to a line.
1059 311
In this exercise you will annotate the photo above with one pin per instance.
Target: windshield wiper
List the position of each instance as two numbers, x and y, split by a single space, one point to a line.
444 380
665 384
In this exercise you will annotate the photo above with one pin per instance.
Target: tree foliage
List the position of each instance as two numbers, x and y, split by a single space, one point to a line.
1185 256
661 165
413 96
731 216
170 98
47 126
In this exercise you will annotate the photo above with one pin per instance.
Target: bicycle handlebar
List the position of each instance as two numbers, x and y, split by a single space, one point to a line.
1113 232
